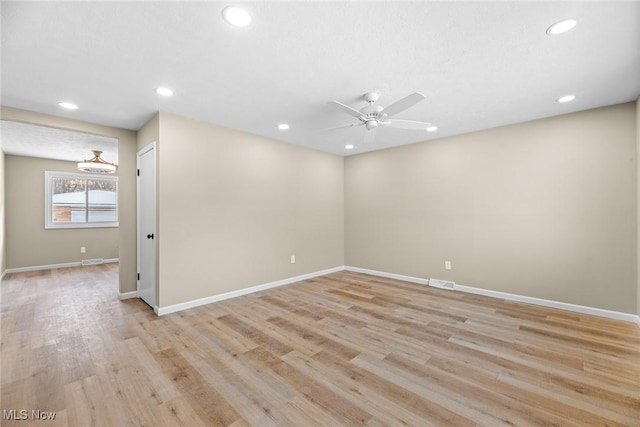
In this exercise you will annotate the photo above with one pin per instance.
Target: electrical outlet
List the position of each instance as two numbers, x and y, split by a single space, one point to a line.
293 259
447 265
83 249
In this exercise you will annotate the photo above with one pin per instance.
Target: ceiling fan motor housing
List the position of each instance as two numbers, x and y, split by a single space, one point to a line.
371 110
371 113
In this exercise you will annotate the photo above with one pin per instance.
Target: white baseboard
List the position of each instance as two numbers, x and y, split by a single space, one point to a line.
214 298
53 266
127 295
418 280
43 267
601 312
627 317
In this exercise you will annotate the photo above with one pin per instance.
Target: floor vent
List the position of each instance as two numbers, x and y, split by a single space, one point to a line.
442 284
92 261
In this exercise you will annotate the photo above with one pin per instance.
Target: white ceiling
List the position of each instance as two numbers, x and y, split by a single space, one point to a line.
479 64
24 139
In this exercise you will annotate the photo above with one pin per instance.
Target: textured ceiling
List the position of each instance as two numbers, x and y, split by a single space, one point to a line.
479 64
25 139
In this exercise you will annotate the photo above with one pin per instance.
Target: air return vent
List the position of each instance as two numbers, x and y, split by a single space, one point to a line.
442 284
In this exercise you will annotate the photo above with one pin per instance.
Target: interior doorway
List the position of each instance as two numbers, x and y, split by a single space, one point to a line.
146 213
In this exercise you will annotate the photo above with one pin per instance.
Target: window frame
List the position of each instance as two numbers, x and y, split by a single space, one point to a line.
48 200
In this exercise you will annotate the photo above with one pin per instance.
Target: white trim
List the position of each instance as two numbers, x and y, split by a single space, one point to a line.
127 295
601 312
53 266
626 317
50 225
214 298
43 267
418 280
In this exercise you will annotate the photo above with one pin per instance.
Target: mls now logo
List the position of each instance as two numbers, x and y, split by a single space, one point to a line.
23 414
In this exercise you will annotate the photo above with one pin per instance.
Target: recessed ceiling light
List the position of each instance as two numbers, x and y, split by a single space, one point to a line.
68 105
561 26
432 128
283 126
566 98
164 91
349 146
236 16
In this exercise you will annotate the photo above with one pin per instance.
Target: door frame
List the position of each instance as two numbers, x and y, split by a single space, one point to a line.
140 152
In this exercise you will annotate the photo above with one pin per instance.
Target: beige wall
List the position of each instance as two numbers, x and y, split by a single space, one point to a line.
28 243
233 208
149 133
3 252
545 209
127 181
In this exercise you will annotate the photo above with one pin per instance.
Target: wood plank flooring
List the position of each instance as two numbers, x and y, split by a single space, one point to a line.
339 350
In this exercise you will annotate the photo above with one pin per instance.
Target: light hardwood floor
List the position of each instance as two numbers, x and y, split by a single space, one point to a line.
343 349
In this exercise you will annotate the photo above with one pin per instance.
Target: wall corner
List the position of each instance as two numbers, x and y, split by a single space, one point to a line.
638 205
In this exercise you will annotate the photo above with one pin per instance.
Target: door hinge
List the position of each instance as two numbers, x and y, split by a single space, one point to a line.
138 172
138 276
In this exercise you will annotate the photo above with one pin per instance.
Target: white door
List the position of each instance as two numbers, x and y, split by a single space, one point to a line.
147 225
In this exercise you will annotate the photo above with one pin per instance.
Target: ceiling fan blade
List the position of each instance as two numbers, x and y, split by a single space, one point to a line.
346 109
342 127
403 104
406 124
370 136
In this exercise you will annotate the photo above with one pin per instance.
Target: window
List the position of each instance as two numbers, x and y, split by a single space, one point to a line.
74 200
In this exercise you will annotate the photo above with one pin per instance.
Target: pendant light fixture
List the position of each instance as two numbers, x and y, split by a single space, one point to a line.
96 165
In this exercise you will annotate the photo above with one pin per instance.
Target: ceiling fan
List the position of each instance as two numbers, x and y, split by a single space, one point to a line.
372 116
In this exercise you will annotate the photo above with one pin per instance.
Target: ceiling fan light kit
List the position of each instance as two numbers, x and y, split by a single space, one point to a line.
96 165
373 116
